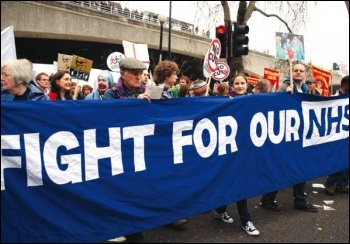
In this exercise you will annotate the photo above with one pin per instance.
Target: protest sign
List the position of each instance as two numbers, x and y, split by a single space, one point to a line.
80 68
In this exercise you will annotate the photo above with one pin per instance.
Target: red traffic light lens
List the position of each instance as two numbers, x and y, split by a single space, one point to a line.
221 29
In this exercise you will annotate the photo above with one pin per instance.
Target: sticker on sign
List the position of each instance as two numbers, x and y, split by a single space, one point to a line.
222 71
113 61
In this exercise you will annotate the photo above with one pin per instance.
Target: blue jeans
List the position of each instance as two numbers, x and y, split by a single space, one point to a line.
242 207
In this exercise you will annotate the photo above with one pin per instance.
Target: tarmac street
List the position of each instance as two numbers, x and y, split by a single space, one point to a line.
329 225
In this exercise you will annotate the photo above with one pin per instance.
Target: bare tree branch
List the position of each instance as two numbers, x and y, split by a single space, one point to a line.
242 9
226 9
347 5
250 10
274 15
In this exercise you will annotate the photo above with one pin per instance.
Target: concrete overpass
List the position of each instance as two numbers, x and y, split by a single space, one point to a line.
67 21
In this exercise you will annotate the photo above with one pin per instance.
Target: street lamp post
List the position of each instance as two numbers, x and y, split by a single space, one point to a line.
161 19
170 26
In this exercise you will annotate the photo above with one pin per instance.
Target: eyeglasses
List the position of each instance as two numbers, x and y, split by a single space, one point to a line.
298 70
5 75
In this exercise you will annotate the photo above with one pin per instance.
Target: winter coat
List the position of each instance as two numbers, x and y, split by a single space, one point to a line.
119 91
286 83
35 94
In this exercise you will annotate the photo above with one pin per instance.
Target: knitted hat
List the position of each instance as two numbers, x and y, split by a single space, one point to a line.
199 87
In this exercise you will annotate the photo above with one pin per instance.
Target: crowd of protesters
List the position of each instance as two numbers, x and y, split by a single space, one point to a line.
18 84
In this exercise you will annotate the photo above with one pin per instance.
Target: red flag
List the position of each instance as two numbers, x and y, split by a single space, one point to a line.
274 77
323 79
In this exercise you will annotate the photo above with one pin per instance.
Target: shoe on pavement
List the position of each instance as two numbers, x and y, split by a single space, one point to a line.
250 229
270 206
178 225
308 207
180 222
224 217
330 190
343 189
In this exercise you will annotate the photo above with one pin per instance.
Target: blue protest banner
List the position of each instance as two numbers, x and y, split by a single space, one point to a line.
89 171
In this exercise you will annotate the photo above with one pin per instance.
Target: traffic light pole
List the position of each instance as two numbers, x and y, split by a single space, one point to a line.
229 51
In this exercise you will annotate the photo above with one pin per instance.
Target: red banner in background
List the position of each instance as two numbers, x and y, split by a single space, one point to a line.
253 80
323 80
274 77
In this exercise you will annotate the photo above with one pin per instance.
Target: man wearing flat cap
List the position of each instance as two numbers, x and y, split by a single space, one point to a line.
311 84
129 84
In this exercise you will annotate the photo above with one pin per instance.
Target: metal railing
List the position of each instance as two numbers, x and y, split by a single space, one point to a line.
143 16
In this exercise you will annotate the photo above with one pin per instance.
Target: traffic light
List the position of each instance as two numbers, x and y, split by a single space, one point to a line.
240 40
221 34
